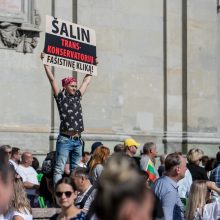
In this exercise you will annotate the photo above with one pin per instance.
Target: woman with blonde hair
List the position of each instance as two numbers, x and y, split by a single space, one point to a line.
194 158
199 195
96 165
19 207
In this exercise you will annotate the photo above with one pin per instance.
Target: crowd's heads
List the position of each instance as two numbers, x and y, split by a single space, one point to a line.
197 197
175 165
195 155
122 192
95 145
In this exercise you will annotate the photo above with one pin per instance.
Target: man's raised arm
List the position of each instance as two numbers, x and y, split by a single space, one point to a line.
51 78
86 81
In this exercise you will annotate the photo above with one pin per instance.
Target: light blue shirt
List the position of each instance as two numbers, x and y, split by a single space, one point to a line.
169 205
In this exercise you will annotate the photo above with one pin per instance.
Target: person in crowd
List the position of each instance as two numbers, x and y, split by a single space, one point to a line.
6 148
19 206
161 168
96 165
210 165
204 160
85 159
6 182
147 158
215 176
35 164
93 148
184 186
215 173
194 158
29 176
168 202
46 184
15 157
119 148
197 208
65 193
122 193
130 146
68 101
95 145
86 192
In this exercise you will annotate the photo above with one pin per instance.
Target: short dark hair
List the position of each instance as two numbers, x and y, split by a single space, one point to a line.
172 160
14 150
147 147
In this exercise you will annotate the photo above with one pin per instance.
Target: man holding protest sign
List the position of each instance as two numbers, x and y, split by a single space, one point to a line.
71 120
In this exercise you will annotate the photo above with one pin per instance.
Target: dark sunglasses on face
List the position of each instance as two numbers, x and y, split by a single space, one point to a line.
67 194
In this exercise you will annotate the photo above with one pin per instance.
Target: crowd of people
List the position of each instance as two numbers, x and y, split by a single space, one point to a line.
117 185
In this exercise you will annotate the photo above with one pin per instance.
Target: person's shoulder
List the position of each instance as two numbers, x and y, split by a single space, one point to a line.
80 216
54 217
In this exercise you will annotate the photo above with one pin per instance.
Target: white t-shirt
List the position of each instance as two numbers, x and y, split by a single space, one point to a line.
28 174
13 213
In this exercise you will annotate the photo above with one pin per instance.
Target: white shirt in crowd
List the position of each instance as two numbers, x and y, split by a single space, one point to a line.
28 174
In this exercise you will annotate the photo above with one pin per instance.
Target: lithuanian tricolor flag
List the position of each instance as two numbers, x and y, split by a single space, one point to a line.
150 171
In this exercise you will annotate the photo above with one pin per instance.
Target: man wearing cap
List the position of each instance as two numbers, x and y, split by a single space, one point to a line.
131 148
71 120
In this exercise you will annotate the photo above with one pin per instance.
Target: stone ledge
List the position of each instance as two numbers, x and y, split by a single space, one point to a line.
45 213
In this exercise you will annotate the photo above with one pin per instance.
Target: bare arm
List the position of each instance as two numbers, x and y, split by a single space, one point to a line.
17 217
29 185
212 186
86 81
51 78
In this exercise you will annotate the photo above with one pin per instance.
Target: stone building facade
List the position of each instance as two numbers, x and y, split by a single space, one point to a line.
157 75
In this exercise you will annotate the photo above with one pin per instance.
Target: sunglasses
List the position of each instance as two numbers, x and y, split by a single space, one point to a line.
67 194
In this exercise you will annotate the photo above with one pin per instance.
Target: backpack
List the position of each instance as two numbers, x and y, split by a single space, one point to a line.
48 164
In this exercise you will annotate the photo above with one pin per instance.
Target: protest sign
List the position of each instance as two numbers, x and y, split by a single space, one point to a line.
70 46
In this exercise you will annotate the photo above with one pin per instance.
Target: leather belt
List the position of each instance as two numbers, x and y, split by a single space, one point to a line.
75 137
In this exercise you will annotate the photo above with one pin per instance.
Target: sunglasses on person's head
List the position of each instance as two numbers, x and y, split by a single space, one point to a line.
67 194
